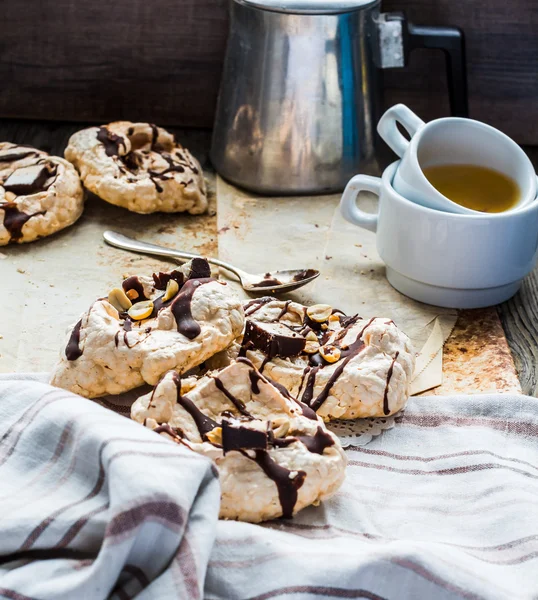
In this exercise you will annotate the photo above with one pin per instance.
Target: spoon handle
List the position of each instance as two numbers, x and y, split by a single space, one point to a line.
126 243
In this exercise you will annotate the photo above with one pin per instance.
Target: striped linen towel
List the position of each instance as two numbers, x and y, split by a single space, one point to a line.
443 506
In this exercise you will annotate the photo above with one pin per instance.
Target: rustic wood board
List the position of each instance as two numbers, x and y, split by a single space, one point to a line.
161 61
477 358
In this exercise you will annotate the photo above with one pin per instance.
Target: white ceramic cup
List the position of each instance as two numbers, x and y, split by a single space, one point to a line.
451 141
446 259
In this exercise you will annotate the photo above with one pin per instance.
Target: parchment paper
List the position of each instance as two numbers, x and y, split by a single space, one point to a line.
261 234
47 284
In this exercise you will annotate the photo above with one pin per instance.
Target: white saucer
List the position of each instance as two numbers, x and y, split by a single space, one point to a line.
450 297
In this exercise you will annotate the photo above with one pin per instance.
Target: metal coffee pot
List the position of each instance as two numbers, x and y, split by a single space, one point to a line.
301 90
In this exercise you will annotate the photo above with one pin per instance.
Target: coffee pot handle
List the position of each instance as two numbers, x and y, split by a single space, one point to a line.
398 38
451 40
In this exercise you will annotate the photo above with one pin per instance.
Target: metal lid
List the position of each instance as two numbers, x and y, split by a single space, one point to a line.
309 7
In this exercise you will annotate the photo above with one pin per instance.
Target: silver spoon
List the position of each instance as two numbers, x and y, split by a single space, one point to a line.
274 281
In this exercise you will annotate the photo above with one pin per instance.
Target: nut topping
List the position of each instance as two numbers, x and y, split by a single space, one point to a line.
331 354
141 310
172 288
311 347
132 294
119 300
215 436
319 313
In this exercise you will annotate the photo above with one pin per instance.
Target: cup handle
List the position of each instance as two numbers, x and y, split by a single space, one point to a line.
388 130
348 204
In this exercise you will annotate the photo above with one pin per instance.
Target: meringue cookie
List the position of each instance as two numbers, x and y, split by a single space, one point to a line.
273 455
350 367
109 351
39 194
138 166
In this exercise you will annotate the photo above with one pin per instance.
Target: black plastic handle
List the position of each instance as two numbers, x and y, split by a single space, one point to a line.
451 40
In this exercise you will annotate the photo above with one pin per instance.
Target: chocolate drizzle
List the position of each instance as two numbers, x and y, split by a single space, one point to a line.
14 219
284 310
346 355
133 283
255 376
110 141
318 442
175 432
72 350
204 423
154 135
287 487
14 156
181 308
235 401
315 444
308 393
307 411
386 408
257 304
316 360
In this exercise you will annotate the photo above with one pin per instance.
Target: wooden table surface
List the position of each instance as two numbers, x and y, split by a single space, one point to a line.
519 316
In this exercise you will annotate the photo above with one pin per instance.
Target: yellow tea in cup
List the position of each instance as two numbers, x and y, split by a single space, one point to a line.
474 187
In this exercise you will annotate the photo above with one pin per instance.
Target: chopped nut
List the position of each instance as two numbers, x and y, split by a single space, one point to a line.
132 294
311 337
330 353
319 313
119 300
334 318
324 326
22 271
172 288
141 310
10 196
215 435
311 347
282 428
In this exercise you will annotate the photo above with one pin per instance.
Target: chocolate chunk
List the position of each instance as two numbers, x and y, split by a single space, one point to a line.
198 268
161 280
133 283
236 437
273 339
27 180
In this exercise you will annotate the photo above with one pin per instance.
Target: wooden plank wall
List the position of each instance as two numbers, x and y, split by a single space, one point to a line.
161 60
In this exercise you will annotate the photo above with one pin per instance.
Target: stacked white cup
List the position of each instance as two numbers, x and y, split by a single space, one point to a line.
435 250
